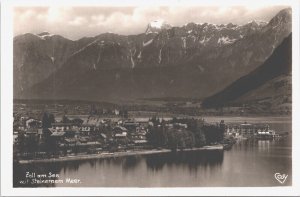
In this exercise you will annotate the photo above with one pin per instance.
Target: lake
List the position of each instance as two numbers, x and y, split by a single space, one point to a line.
248 163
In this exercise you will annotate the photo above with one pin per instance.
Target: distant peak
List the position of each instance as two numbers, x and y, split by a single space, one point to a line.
230 25
257 22
284 16
285 13
156 26
44 33
157 23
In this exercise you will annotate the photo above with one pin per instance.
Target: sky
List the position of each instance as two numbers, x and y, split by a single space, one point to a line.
77 22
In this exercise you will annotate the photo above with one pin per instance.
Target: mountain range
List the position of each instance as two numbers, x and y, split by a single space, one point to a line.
191 61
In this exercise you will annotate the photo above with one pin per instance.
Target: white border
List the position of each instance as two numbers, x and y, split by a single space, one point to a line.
7 105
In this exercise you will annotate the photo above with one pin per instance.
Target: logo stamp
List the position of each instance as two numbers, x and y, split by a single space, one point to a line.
281 178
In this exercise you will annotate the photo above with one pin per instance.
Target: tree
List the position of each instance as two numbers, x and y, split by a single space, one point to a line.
45 121
31 143
65 119
77 121
180 139
213 133
34 124
199 139
157 133
196 127
21 144
187 139
51 119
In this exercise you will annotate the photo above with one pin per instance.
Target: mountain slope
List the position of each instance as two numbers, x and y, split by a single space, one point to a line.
36 57
274 96
254 85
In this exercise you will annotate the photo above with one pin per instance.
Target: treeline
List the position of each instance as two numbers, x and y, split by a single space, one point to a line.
184 133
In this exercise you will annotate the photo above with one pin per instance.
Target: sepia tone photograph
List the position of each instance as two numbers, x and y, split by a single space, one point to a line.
152 96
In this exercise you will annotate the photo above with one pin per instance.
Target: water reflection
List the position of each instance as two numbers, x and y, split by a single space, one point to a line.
155 163
264 145
130 163
192 160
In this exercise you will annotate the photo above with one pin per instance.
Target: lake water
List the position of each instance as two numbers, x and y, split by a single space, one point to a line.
248 163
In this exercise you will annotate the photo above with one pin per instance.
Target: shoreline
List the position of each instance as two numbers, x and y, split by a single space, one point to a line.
115 154
208 118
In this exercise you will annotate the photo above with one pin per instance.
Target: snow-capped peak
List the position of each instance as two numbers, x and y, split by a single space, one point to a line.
156 26
44 35
257 22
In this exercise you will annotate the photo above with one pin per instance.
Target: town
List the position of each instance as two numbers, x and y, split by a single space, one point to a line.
46 136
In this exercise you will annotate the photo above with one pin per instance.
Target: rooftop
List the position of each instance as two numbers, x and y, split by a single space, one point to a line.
58 134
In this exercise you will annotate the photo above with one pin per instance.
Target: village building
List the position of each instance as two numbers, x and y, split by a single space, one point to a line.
119 129
87 128
32 123
63 126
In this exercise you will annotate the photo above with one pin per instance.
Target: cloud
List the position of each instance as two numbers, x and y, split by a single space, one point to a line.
77 22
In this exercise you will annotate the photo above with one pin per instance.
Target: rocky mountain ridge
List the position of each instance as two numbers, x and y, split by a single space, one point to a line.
168 61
